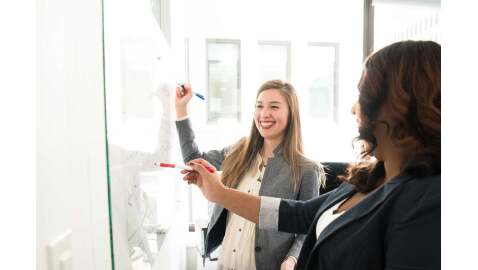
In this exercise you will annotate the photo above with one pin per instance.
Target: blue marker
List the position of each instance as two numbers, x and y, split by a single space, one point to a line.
196 94
199 96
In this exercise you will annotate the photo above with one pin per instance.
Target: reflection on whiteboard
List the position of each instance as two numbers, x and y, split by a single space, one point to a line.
132 210
139 87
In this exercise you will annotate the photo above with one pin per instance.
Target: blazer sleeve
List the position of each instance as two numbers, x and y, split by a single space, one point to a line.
413 238
190 150
298 216
309 188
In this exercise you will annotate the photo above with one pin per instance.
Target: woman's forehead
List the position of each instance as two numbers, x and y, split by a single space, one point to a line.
271 96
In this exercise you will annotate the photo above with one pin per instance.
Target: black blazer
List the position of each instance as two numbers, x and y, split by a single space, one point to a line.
396 226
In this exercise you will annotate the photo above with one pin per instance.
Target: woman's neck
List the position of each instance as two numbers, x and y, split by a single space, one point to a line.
393 166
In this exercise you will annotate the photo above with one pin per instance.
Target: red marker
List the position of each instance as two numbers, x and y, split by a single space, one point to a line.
183 167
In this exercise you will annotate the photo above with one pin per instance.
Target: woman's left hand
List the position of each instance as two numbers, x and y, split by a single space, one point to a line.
288 264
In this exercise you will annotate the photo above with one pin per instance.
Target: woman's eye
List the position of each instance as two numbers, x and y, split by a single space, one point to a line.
275 107
259 106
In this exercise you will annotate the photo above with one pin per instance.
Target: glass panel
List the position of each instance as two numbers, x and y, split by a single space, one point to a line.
395 22
273 61
223 80
139 111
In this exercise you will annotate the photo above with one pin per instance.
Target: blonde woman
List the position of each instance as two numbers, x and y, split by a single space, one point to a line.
268 162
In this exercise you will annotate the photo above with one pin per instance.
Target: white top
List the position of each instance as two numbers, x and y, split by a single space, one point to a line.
327 217
237 251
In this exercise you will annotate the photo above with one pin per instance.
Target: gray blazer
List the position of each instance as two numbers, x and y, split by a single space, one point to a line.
271 247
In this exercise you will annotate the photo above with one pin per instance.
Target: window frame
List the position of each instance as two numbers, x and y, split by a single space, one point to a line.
285 43
335 90
239 77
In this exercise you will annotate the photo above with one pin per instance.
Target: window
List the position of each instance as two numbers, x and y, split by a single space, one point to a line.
231 59
274 60
395 21
223 80
322 70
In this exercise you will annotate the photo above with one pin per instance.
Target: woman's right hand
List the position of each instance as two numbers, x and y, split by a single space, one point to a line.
183 96
208 182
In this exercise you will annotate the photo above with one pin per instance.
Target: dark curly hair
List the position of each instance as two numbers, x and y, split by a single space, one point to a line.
405 77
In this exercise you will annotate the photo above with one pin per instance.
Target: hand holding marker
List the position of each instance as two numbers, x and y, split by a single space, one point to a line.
182 91
182 167
194 93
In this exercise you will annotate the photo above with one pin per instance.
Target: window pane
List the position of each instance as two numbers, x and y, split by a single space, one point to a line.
321 81
395 22
223 60
273 61
328 127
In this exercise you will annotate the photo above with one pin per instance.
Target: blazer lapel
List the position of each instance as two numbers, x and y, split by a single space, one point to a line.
273 168
343 191
364 207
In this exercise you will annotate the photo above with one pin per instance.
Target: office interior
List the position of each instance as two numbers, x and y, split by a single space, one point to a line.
107 71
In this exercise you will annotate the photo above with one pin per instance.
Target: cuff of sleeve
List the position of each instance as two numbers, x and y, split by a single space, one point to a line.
293 258
182 118
269 213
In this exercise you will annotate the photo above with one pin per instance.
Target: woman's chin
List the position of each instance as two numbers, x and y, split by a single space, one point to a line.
270 136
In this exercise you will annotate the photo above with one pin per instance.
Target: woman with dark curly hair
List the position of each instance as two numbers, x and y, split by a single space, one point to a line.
386 213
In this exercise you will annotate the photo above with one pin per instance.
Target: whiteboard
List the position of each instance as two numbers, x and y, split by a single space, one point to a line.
139 110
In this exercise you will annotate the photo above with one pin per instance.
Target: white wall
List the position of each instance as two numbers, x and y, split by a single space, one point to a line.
71 154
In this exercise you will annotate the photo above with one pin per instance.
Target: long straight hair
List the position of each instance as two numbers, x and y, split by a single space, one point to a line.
242 155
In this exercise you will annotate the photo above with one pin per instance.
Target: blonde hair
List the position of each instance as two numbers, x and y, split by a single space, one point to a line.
242 155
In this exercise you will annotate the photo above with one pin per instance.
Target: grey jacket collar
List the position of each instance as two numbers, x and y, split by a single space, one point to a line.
279 150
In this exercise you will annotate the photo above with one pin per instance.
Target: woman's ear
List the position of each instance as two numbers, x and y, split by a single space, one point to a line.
383 124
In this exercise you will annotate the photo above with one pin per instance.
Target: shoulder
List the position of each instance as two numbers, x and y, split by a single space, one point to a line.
417 197
312 171
421 188
309 166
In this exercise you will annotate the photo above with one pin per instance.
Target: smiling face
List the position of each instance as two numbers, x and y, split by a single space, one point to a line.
271 114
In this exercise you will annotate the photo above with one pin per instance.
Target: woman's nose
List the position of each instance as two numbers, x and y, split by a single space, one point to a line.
265 112
353 110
